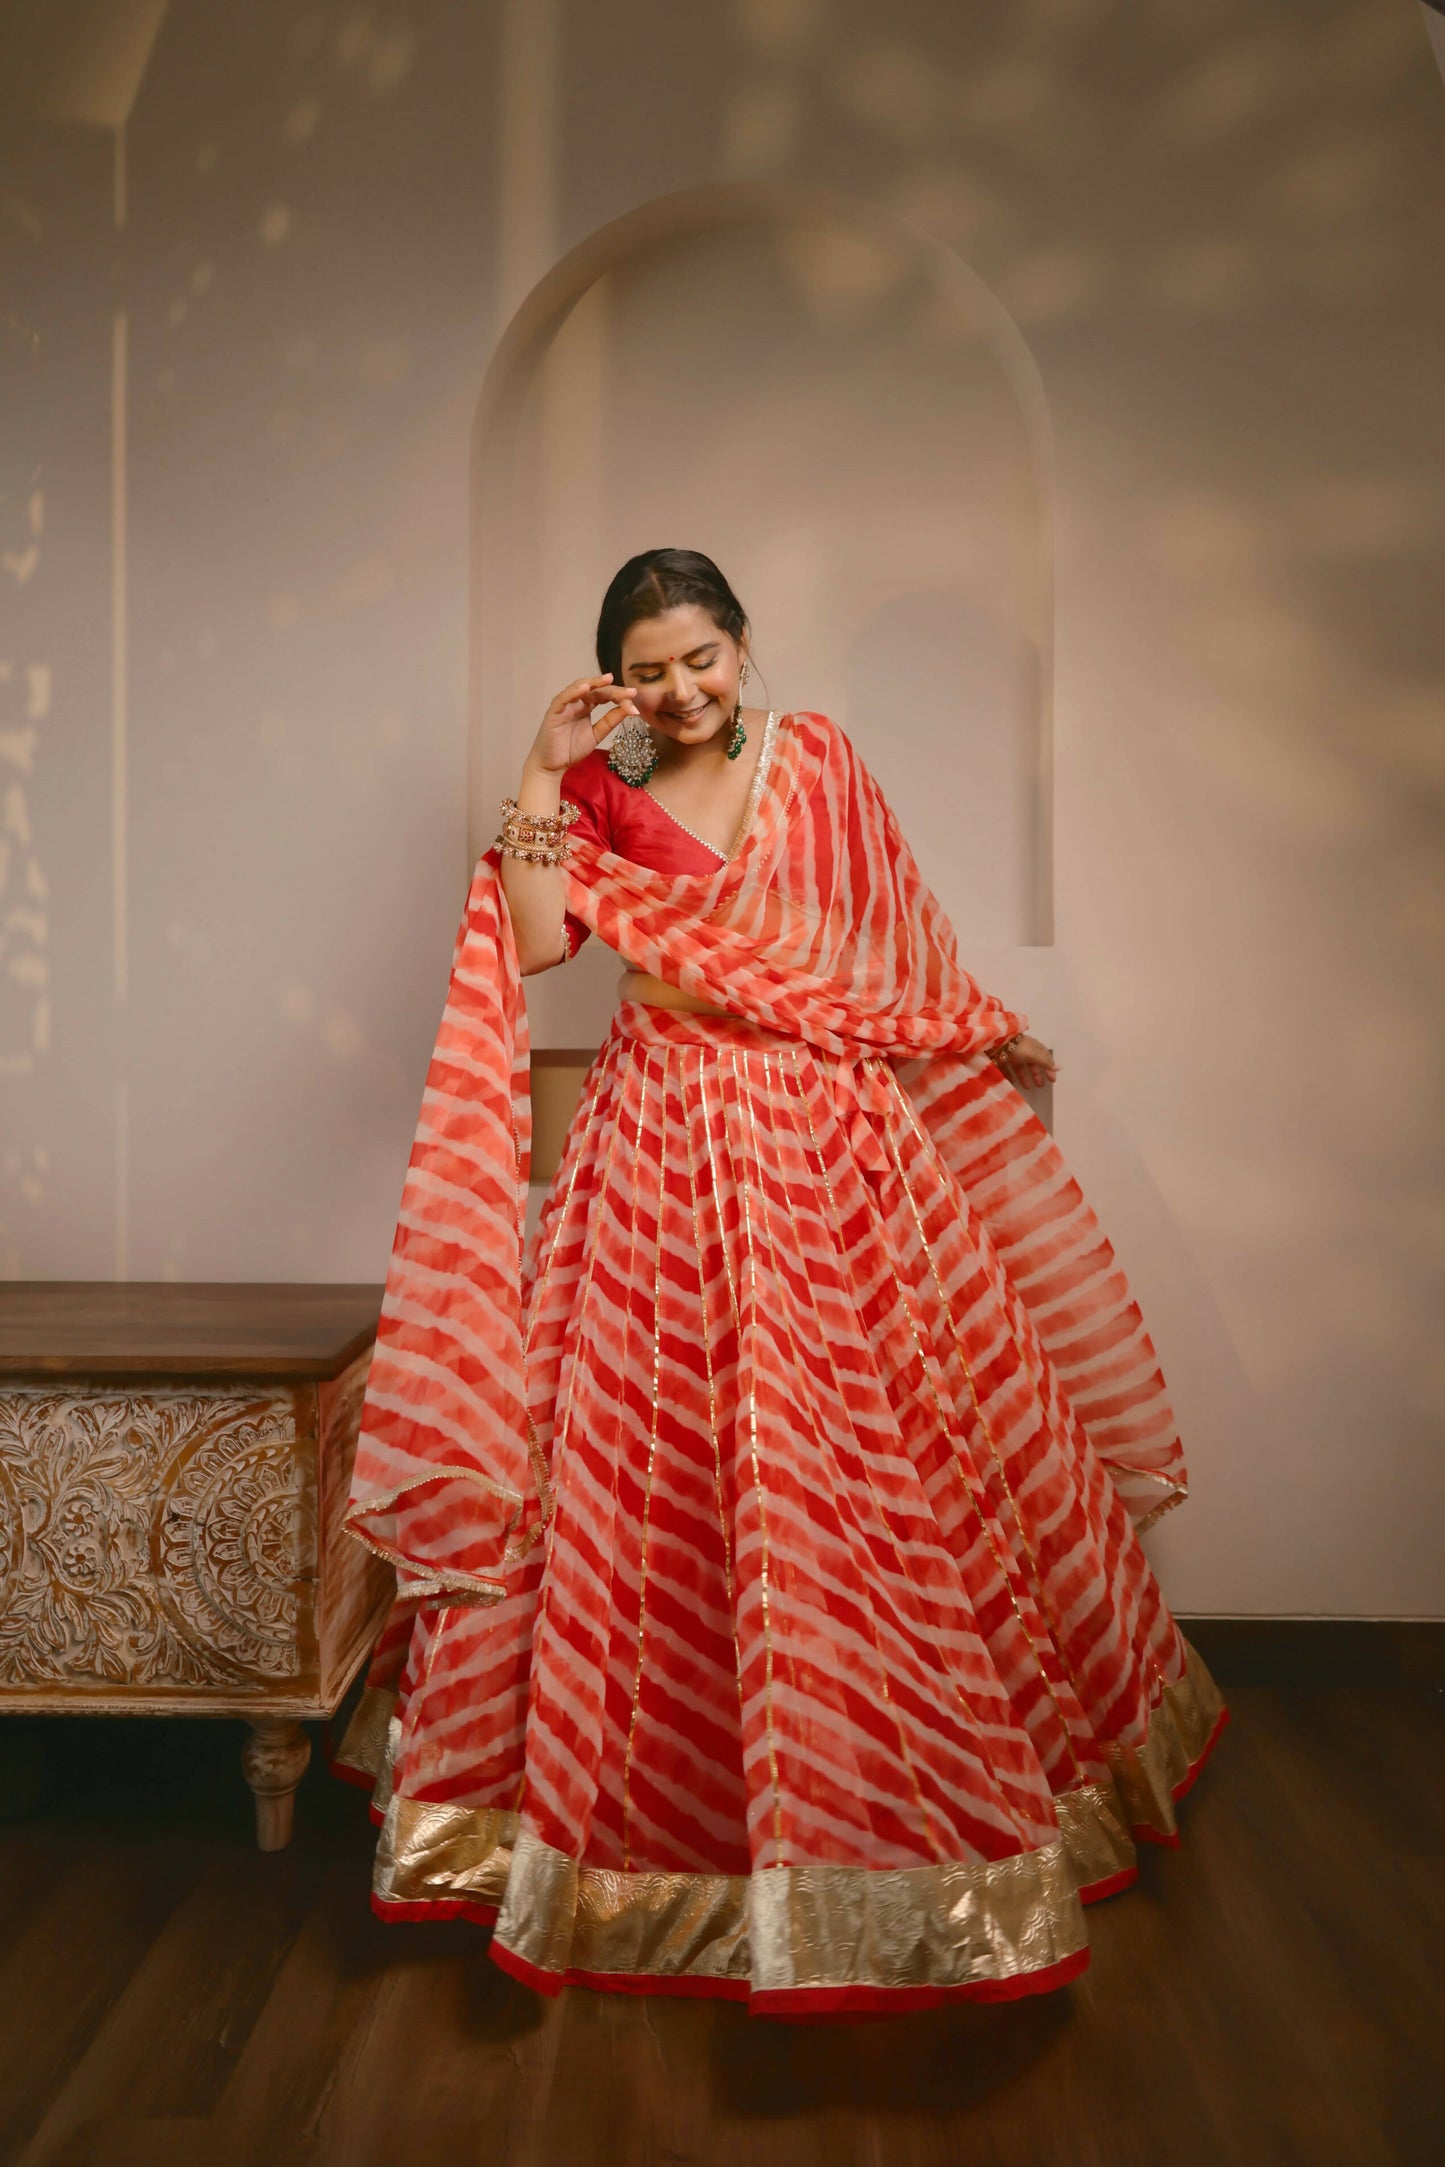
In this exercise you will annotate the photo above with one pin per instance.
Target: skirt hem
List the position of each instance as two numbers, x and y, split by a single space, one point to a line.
701 1924
855 1998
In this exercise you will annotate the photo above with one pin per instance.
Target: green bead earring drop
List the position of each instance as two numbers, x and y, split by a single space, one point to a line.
739 737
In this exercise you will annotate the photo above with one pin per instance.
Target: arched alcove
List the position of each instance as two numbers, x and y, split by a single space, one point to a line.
829 402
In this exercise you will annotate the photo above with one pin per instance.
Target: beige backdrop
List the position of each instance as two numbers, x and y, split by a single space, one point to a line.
1088 467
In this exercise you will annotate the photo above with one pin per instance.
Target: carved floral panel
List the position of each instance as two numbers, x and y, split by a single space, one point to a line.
156 1538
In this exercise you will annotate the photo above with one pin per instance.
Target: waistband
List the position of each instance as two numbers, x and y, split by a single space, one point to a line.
676 1027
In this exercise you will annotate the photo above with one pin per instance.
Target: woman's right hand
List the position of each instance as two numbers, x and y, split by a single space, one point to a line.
568 732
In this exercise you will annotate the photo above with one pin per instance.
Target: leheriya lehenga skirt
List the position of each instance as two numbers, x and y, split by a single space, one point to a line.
840 1681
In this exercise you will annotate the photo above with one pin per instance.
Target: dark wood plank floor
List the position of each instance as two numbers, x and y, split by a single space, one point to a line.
1271 1993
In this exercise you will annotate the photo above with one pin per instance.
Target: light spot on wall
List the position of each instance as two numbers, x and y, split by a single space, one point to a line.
298 1003
178 311
303 119
275 224
341 1035
282 610
896 91
388 64
760 128
17 749
382 55
207 158
841 276
954 205
272 729
1228 91
24 923
15 815
781 28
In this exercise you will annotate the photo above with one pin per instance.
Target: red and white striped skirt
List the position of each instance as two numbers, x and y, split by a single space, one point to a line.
839 1679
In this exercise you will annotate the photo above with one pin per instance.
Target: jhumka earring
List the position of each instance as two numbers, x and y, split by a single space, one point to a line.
739 737
633 753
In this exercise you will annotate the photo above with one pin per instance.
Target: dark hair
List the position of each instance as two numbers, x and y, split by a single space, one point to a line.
658 580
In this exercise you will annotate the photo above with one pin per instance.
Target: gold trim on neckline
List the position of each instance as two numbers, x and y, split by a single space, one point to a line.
755 791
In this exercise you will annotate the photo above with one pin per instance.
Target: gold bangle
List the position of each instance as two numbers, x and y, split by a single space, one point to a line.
543 823
536 838
535 853
999 1054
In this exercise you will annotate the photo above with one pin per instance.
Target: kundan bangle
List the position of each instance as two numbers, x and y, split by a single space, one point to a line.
537 838
1001 1052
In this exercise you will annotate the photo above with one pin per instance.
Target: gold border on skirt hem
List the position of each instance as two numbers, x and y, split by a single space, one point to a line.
786 1927
789 1927
1146 1777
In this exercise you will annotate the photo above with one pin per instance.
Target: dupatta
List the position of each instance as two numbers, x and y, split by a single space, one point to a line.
820 926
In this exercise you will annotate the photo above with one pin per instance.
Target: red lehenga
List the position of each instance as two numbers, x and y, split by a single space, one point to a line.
771 1621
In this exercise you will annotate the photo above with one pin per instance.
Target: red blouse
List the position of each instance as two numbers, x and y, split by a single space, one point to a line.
618 816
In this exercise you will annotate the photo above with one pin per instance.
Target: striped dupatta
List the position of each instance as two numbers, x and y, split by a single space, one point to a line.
819 926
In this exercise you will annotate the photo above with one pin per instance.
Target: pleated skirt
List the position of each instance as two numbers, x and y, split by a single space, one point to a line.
839 1680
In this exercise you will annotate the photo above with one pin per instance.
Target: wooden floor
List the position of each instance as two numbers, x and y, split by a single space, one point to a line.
1270 1993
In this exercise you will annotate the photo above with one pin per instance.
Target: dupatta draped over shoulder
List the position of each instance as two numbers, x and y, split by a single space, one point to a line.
819 927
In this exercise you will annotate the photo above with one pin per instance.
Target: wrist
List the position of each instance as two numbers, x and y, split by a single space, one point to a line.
540 790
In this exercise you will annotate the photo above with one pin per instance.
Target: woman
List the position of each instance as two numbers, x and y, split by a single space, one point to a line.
771 1618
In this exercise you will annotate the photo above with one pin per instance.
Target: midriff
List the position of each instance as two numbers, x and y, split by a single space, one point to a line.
657 993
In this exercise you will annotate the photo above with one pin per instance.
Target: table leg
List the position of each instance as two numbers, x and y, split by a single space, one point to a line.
273 1761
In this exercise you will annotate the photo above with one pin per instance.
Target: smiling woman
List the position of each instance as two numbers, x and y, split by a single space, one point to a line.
772 1621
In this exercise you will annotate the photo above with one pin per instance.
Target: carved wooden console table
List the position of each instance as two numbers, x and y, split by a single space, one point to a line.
174 1463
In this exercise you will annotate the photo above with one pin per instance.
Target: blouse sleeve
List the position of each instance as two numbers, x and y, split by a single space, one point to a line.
584 786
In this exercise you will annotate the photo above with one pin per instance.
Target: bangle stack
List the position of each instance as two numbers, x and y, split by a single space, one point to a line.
1000 1053
537 838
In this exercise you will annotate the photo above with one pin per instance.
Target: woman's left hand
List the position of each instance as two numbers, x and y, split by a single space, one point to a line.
1029 1064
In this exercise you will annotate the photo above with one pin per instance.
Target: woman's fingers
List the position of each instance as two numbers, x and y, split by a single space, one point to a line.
611 716
586 692
1027 1074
